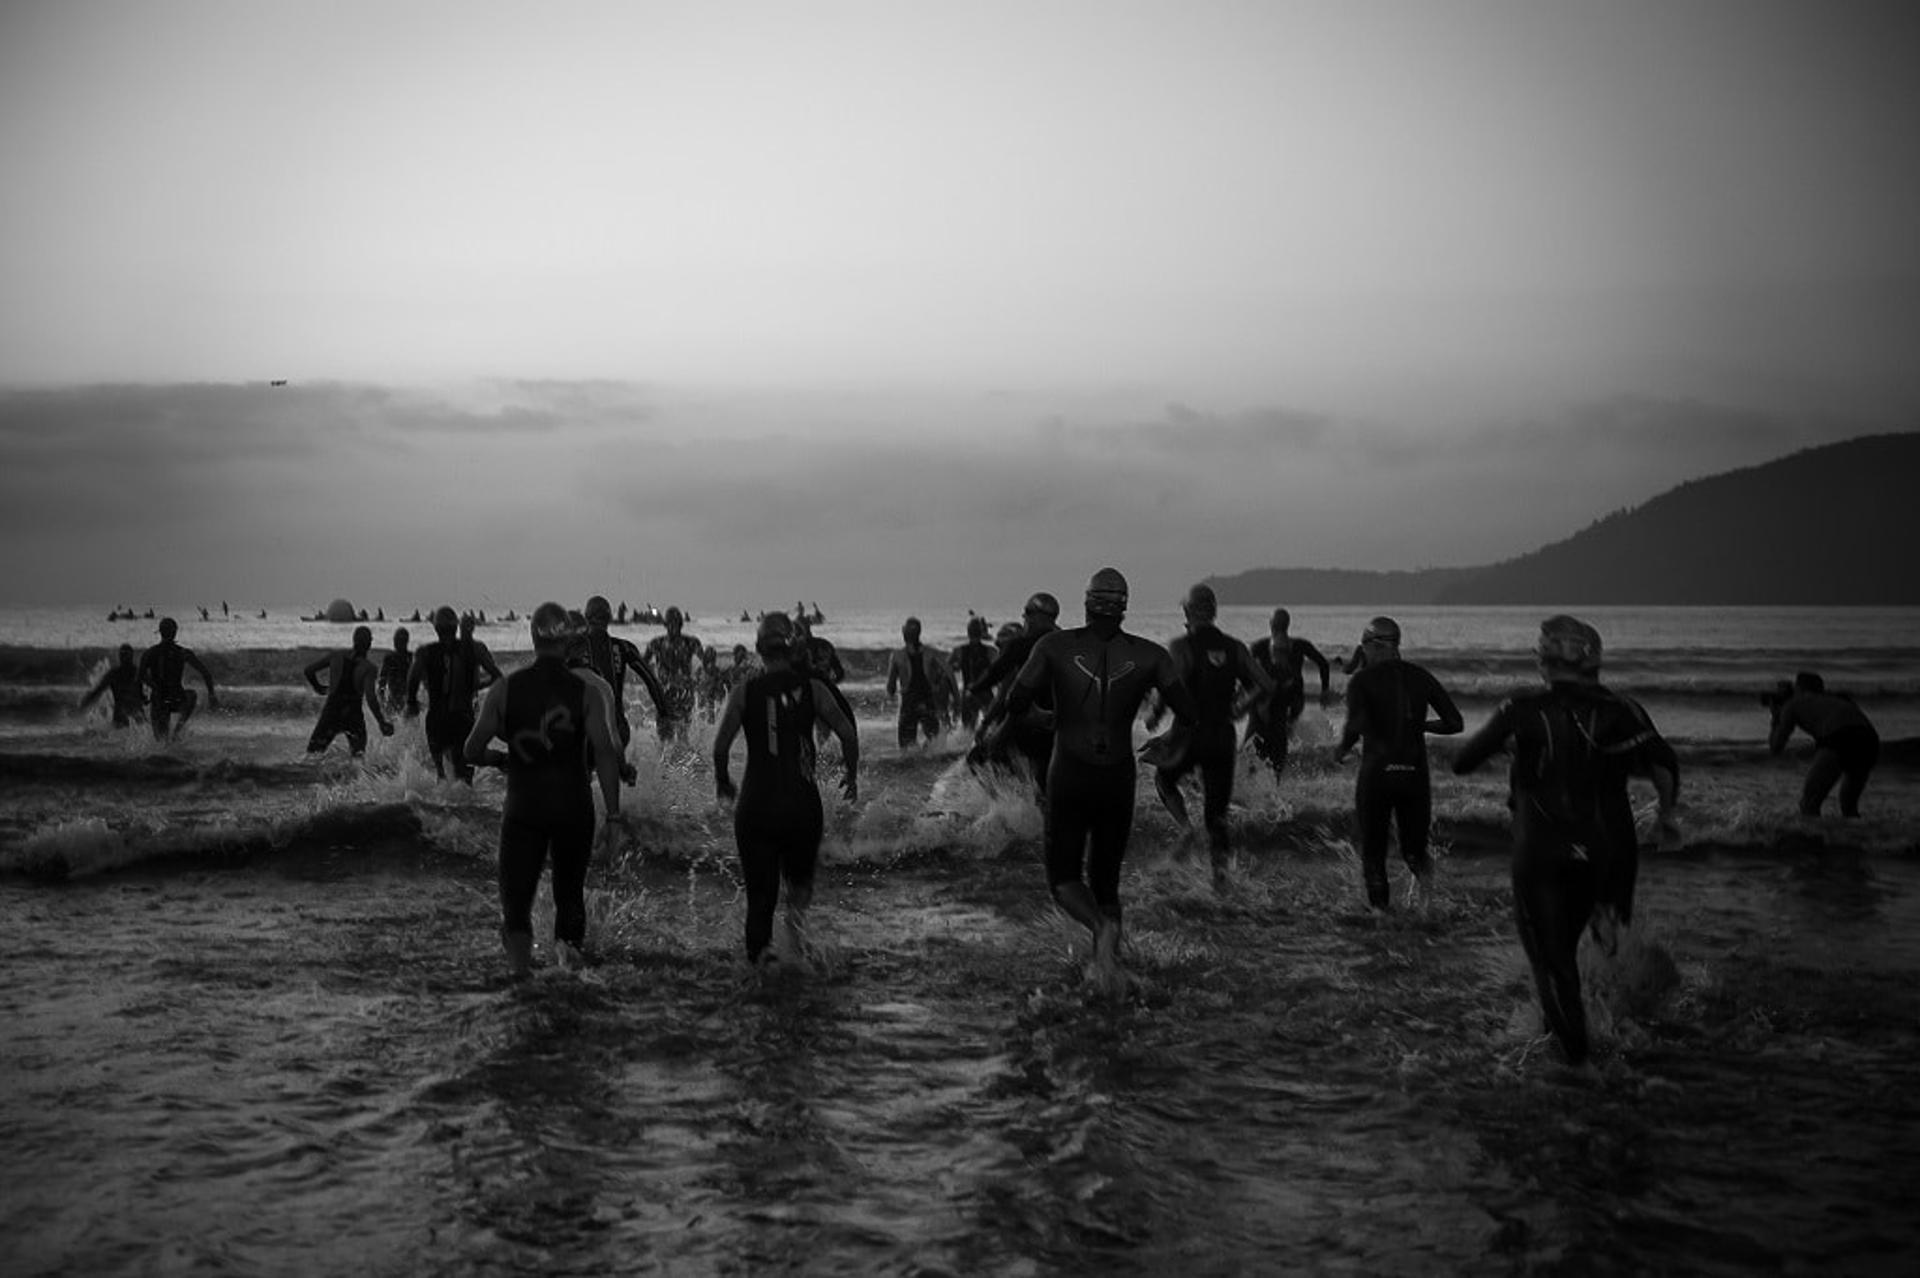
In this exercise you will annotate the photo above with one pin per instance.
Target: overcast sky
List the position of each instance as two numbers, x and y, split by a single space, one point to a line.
896 293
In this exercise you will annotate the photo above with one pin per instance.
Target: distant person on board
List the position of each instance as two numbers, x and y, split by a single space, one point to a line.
675 659
611 657
1575 849
123 682
394 668
1270 719
351 682
451 669
1097 675
968 662
555 724
915 673
778 821
1387 704
1214 666
1003 735
1846 747
163 668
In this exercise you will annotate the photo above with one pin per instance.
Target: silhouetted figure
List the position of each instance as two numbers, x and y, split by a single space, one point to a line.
351 684
394 669
1846 746
123 681
163 667
1270 719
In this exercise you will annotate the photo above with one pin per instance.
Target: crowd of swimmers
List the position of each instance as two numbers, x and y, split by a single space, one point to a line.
1055 705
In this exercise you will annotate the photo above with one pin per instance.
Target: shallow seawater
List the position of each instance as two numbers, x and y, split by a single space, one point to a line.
275 1039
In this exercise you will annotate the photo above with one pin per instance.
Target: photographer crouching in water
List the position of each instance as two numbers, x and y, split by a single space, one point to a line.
1846 747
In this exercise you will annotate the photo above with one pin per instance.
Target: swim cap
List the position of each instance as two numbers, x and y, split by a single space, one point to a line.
1043 603
598 609
444 618
1281 618
1568 643
910 626
168 626
550 626
362 638
1382 630
1107 594
674 617
400 637
1201 604
774 636
1808 681
976 627
126 650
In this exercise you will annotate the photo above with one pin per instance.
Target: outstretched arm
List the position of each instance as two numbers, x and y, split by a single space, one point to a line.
1174 693
1783 725
206 677
312 673
827 706
416 675
484 660
370 692
605 745
1355 726
636 663
1488 740
98 688
1319 659
1449 721
723 739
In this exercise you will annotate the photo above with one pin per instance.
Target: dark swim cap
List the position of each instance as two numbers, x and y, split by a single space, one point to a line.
1107 594
1201 603
550 625
1568 643
976 627
1043 603
598 609
168 626
1808 681
1281 618
362 637
1382 630
774 636
444 618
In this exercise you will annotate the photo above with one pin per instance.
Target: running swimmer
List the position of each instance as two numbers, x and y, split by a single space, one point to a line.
674 658
351 681
451 669
163 669
1029 734
777 822
916 673
1214 667
1387 704
818 657
1845 742
968 662
393 672
1575 850
123 681
611 657
1098 675
554 722
1271 719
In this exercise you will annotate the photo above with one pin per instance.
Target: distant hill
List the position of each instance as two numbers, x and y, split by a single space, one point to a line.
1837 525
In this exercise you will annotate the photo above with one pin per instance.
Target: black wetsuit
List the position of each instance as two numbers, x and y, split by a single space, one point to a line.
674 660
611 657
1096 686
970 661
1213 665
1270 726
343 713
451 671
163 669
1028 734
819 659
777 822
122 684
549 807
394 668
1391 699
1845 746
1574 843
918 713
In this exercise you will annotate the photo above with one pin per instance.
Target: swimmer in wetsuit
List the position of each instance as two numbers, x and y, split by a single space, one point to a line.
393 672
1214 666
554 721
351 681
454 668
163 669
611 657
1003 735
675 660
123 681
968 662
777 822
916 673
1575 850
1270 719
1845 742
1387 704
1098 675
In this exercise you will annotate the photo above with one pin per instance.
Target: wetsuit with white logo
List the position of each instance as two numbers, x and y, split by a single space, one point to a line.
777 822
549 807
1390 699
1574 843
1096 684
